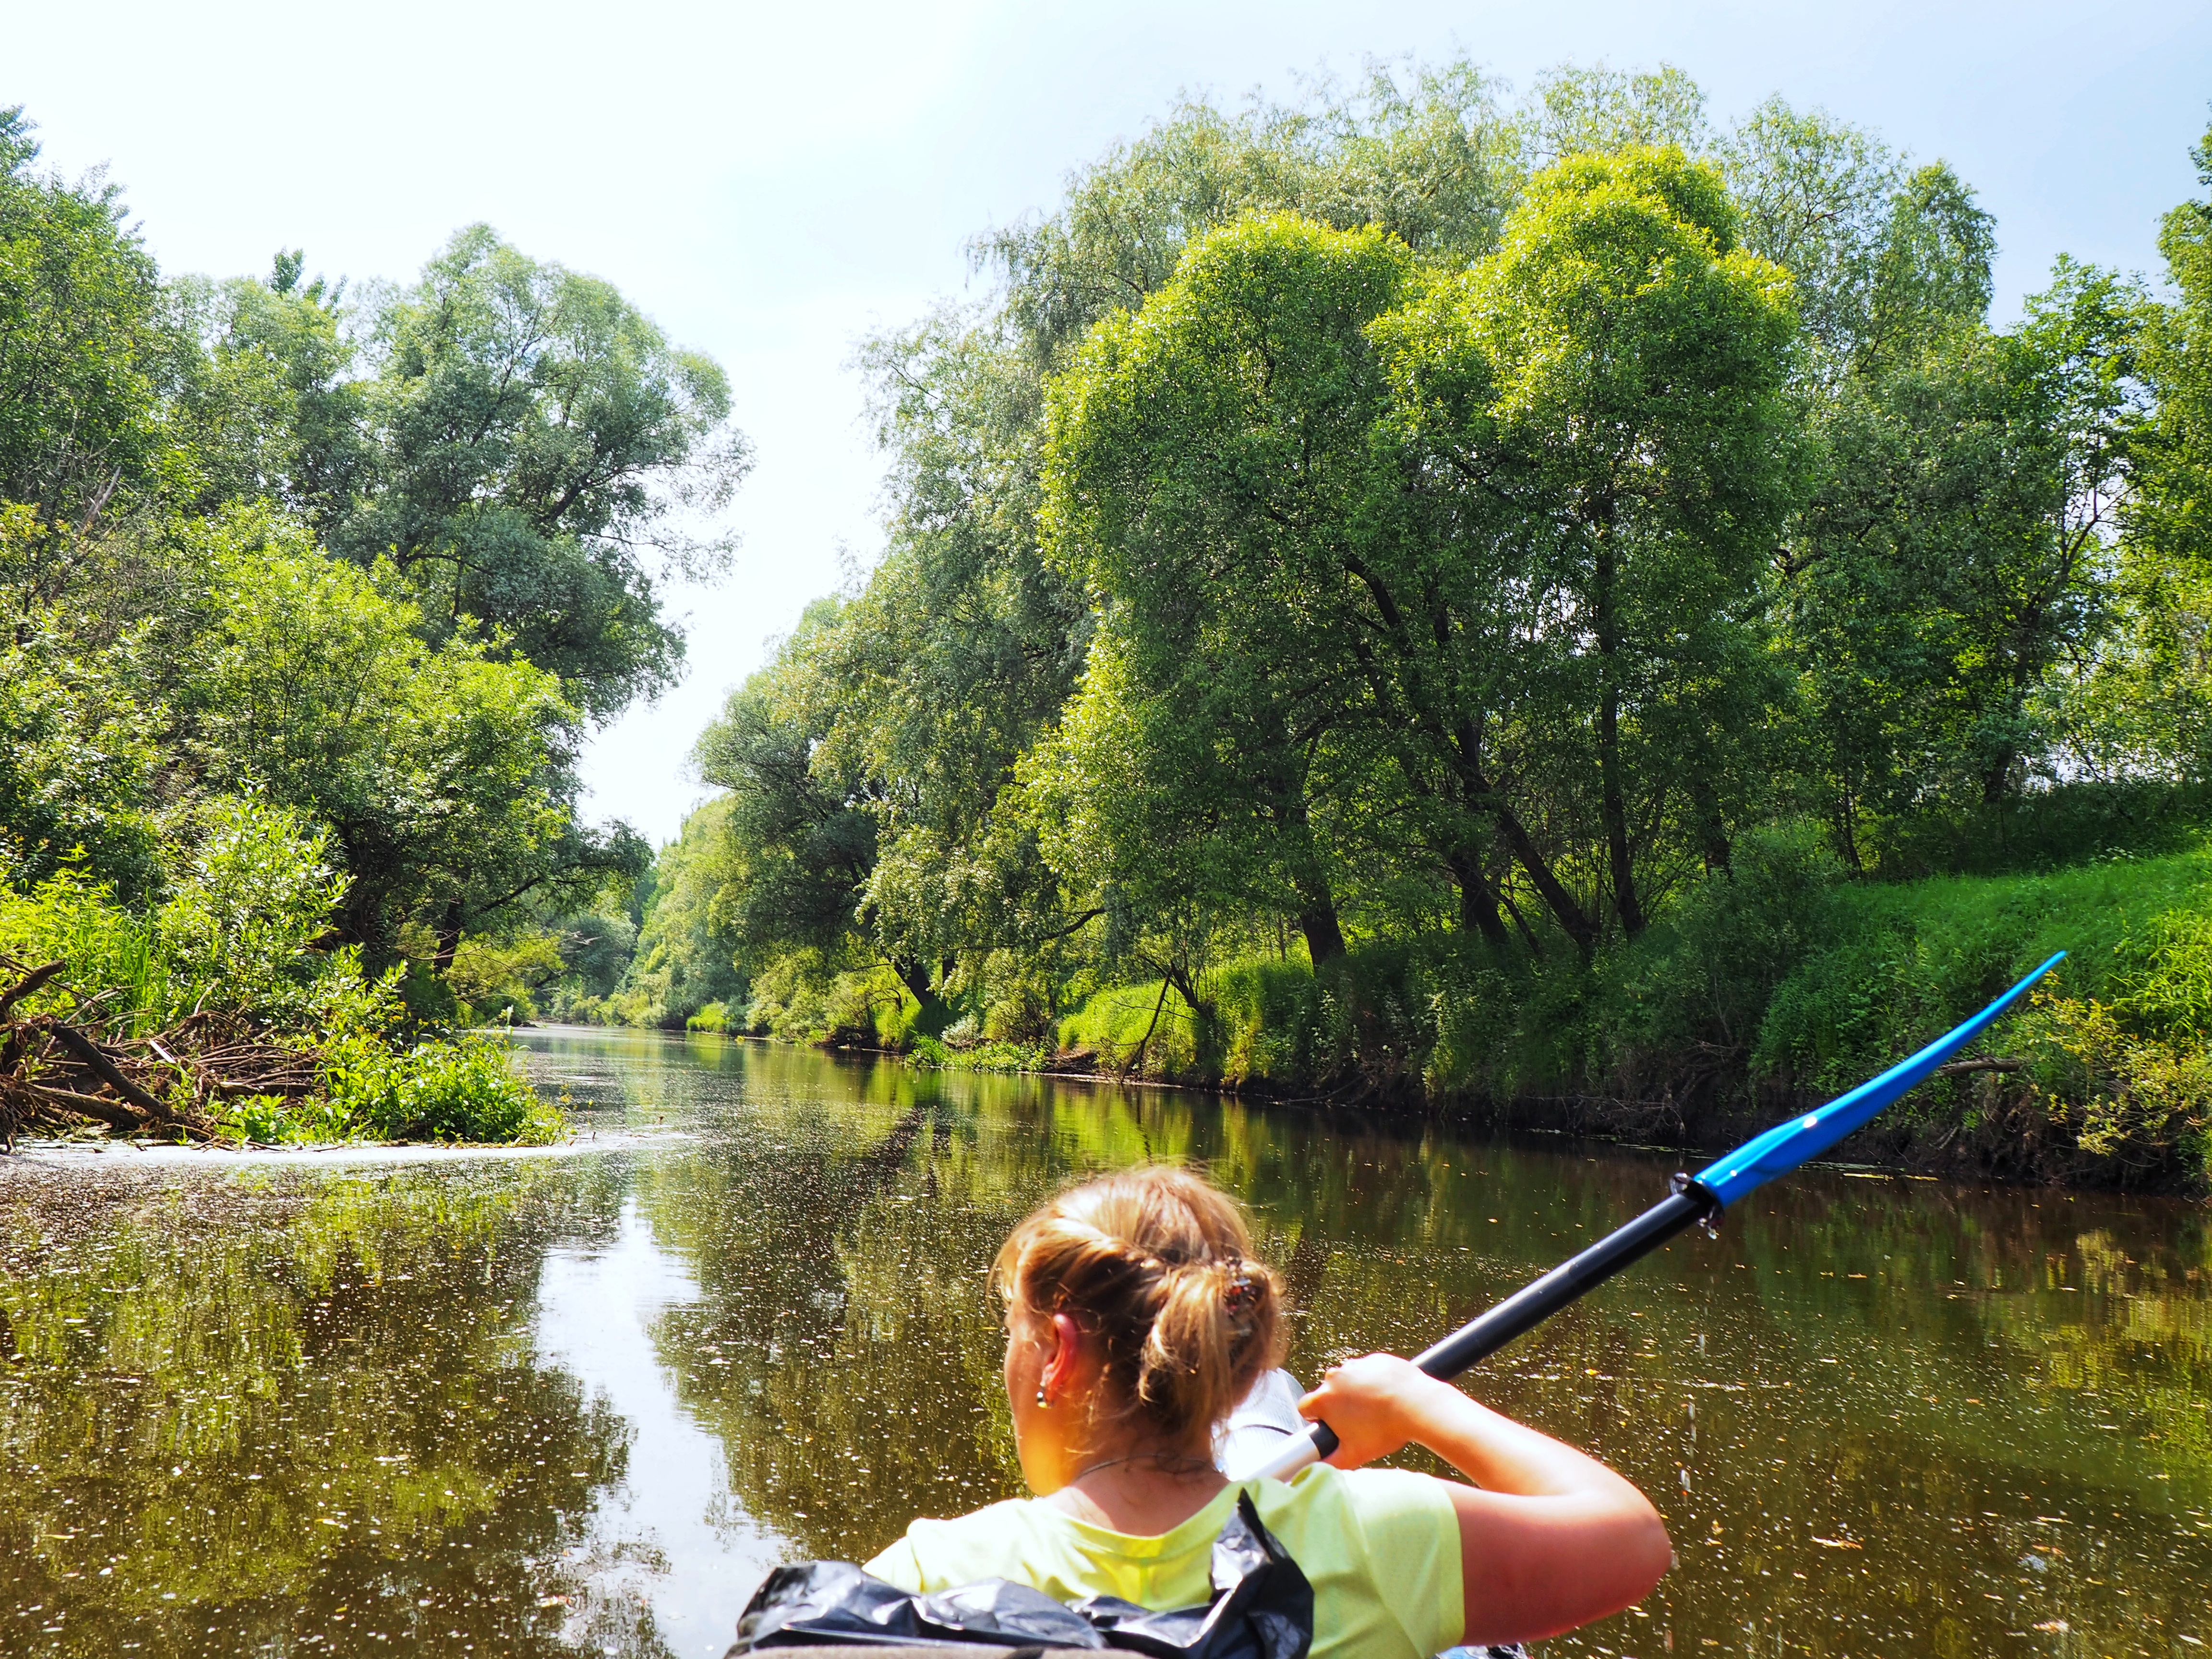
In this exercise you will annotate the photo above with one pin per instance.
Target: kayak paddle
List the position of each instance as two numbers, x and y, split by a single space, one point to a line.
1692 1199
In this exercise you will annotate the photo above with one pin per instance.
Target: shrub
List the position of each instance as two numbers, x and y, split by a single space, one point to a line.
462 1089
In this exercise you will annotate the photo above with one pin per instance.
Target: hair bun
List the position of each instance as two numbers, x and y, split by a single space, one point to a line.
1156 1262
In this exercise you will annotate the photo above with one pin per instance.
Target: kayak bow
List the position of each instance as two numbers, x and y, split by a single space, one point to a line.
1692 1199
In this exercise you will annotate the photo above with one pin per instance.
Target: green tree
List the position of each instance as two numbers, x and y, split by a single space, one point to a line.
1427 155
446 773
1957 560
1208 469
802 835
524 447
274 408
686 956
1613 380
959 650
87 349
78 759
2146 706
1573 111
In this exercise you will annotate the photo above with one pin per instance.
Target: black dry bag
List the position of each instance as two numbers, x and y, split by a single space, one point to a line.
1262 1608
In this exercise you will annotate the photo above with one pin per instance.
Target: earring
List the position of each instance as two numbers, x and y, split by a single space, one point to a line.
1042 1398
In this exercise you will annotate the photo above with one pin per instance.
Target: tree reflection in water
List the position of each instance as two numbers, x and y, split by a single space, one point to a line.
540 1395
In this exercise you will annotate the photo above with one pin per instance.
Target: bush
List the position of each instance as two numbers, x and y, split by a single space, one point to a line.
464 1089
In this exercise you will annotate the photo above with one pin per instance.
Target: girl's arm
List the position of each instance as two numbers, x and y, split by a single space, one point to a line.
1549 1538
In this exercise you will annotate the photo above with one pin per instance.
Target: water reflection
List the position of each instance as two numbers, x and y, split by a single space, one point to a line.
665 1549
243 1409
578 1405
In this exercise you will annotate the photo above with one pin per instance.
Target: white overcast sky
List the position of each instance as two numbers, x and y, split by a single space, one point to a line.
772 182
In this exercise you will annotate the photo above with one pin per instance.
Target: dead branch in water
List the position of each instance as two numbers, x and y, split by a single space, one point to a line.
60 1073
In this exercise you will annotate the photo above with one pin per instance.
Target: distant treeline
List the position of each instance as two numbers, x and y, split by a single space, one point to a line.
1416 590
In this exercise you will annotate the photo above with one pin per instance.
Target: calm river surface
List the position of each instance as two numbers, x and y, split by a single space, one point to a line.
577 1402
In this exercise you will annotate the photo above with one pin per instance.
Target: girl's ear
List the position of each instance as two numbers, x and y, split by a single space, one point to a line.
1063 1344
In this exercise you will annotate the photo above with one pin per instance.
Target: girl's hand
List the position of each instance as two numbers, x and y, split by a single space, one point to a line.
1375 1405
1549 1538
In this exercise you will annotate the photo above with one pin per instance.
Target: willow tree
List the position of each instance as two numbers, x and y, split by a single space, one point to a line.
522 444
1607 391
1208 469
1472 561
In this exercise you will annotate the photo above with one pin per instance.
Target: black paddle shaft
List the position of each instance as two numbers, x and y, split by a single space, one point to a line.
1479 1339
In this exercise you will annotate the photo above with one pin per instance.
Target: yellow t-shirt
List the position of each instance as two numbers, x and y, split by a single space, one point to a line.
1380 1548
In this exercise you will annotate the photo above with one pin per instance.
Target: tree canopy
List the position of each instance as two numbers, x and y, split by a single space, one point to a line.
379 556
1412 513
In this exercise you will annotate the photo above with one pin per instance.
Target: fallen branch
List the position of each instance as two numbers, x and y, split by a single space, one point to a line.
24 987
1956 1067
105 1069
61 1073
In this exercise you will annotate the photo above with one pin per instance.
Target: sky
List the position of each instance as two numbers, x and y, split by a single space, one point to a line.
771 184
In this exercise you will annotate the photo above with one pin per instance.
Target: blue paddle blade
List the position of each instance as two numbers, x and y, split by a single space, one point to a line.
1782 1148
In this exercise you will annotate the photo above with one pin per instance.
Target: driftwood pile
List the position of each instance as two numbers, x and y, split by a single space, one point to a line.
59 1074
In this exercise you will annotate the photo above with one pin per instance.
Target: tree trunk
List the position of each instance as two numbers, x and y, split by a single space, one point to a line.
1478 903
1614 803
1557 899
1712 827
1998 781
1317 922
934 1013
449 939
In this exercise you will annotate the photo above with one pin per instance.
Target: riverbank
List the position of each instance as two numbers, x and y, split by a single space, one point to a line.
1754 997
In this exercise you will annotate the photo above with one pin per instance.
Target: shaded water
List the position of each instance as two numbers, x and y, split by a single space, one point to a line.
577 1403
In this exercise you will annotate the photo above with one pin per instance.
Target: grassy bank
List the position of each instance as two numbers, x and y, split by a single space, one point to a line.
215 1014
1779 984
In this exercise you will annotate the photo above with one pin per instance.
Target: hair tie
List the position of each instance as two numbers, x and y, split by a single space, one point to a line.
1242 1291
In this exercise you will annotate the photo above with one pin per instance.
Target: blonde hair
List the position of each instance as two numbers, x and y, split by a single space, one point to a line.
1157 1264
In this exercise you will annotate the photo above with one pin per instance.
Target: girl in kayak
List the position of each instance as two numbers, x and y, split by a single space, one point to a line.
1137 1318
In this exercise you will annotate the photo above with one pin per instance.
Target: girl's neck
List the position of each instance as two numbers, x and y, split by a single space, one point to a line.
1144 1492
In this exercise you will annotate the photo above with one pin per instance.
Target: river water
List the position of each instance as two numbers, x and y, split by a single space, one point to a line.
576 1402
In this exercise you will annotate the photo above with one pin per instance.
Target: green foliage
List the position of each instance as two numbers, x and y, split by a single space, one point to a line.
1361 544
307 602
445 772
464 1089
1781 975
2145 706
499 980
524 434
803 844
250 897
1144 1029
87 349
1208 461
512 437
685 956
248 892
1957 570
1898 963
76 764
